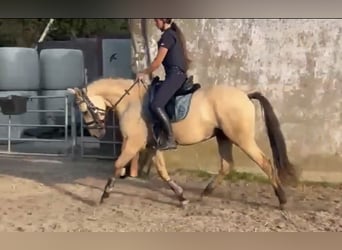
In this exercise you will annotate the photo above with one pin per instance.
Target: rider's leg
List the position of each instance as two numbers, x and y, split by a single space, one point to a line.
163 95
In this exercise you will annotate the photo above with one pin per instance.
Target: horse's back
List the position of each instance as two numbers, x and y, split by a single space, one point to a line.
229 102
224 95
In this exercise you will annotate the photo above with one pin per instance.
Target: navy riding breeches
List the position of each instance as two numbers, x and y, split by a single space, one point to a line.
173 81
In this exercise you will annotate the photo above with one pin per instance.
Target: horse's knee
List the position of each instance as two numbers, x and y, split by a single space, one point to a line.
125 158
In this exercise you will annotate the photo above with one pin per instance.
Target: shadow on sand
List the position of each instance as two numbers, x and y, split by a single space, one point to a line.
93 175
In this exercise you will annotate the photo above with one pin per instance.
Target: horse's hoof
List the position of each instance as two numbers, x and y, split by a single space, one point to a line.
104 196
282 207
202 198
184 203
101 200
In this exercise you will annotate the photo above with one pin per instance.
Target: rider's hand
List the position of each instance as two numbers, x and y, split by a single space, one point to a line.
140 76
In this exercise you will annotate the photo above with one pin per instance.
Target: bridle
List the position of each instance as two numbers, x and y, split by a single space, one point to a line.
95 112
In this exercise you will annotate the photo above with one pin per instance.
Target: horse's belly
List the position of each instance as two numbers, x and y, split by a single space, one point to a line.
194 128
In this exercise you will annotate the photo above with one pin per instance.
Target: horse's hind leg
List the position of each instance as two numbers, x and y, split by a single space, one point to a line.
146 161
225 148
254 152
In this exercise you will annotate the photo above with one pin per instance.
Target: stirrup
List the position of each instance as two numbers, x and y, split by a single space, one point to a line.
167 145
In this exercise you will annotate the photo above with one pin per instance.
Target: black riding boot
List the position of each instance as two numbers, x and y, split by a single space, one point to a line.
169 143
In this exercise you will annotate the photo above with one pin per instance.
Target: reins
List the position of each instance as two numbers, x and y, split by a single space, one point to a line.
94 111
127 92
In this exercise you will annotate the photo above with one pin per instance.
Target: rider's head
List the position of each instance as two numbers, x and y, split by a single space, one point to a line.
163 23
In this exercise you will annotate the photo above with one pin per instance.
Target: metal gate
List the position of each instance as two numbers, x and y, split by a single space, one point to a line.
38 145
72 136
107 148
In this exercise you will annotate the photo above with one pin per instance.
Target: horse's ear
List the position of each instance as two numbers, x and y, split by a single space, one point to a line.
72 91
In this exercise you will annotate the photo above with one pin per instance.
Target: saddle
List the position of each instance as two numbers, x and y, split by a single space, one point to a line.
186 90
178 106
188 87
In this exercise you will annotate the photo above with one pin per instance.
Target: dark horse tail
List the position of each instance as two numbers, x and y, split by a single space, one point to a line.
286 170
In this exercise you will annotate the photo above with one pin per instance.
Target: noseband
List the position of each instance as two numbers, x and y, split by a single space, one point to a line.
95 112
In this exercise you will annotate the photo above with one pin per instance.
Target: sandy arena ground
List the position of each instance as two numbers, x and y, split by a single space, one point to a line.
39 195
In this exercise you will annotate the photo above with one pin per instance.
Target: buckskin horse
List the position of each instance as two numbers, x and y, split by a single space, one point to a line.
197 114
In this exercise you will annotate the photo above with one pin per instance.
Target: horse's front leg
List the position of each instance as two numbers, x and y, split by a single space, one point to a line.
128 152
159 162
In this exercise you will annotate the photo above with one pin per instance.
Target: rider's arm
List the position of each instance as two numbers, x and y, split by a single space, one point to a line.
157 61
166 42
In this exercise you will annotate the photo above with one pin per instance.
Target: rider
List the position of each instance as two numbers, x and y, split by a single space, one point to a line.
173 55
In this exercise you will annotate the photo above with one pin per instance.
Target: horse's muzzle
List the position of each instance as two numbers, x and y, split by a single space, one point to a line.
99 135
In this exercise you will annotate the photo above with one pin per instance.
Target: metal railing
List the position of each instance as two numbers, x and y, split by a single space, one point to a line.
112 144
104 149
64 141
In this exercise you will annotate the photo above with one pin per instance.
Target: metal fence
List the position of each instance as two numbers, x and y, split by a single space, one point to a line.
106 148
74 141
31 143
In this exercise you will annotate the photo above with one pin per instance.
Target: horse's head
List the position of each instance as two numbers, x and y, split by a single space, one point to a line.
93 108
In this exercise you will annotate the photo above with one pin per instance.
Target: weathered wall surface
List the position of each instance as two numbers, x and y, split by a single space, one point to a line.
295 63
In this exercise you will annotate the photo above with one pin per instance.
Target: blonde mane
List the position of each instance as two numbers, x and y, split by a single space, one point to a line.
108 87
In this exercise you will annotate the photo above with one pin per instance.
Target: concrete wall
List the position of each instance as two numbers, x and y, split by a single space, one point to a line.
295 63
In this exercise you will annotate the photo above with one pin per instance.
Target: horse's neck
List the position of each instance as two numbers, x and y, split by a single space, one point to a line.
117 95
